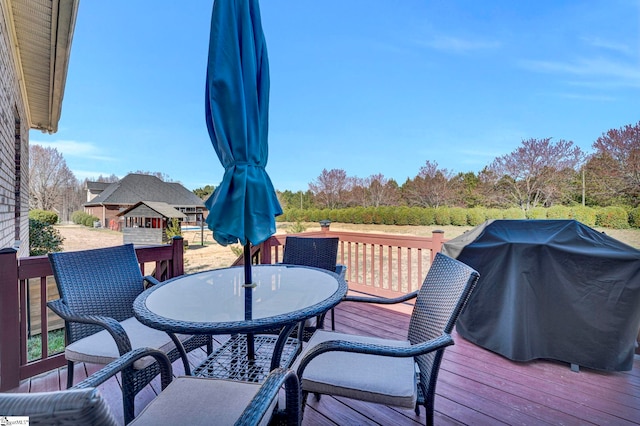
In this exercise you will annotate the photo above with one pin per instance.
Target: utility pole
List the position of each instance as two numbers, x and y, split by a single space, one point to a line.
583 187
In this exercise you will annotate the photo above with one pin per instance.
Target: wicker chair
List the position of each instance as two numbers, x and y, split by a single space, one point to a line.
186 400
344 365
320 253
97 289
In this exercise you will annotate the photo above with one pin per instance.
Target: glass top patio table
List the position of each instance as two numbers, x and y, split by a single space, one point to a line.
213 302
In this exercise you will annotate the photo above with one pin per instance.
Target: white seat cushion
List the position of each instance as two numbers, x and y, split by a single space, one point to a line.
199 401
100 348
384 380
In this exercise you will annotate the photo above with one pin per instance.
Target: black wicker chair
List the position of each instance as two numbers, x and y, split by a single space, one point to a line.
317 252
342 364
220 401
97 289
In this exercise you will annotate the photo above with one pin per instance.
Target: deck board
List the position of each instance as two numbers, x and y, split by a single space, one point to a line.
475 386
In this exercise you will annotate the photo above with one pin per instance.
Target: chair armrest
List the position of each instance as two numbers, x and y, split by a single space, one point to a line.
381 300
126 361
269 390
432 345
149 281
110 324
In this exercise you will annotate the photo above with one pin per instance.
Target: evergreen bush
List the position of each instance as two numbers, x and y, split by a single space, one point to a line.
634 217
586 215
43 238
537 213
89 219
495 214
427 216
476 216
612 217
514 213
78 217
442 216
559 212
45 216
458 216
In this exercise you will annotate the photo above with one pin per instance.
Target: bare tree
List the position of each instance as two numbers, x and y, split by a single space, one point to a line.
49 178
616 164
539 172
331 188
432 187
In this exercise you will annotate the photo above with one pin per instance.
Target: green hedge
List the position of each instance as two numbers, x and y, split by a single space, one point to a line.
44 216
609 217
612 217
82 218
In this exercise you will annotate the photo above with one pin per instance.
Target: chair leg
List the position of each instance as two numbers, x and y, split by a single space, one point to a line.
209 345
333 320
70 374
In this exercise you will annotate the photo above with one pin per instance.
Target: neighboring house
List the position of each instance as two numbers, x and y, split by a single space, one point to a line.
146 222
133 188
35 41
95 188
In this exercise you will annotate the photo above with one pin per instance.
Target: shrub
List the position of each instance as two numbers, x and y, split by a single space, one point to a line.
173 229
45 216
442 216
612 217
537 213
495 214
78 217
559 212
427 216
294 228
476 216
43 238
458 216
402 215
89 219
414 215
584 214
388 215
634 217
514 213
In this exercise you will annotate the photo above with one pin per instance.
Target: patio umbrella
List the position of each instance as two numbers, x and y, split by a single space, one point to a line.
243 207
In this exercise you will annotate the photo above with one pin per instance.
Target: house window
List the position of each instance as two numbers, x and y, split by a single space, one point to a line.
18 177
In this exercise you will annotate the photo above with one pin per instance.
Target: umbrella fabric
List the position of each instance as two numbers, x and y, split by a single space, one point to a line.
243 207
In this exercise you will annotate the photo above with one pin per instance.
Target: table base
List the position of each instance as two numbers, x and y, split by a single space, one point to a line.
230 360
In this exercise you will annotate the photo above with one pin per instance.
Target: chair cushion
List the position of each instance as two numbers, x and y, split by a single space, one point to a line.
200 401
384 380
100 348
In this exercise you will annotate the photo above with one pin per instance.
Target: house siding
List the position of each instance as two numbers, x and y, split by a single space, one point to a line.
14 132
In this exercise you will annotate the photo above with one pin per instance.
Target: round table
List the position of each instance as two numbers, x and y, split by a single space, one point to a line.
219 302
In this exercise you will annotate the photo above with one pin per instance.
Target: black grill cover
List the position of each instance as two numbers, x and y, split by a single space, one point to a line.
553 289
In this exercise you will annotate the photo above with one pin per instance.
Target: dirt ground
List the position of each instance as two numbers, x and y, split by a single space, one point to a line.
211 255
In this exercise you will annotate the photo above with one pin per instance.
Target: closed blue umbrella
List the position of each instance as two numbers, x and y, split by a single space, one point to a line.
244 205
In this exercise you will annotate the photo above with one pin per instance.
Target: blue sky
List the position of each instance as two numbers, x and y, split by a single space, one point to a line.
368 86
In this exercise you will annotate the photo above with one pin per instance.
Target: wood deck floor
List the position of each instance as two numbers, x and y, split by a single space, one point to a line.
475 387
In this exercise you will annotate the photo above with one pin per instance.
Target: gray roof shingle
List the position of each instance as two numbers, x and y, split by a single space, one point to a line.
136 187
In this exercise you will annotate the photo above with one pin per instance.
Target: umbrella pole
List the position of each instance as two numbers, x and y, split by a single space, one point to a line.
248 296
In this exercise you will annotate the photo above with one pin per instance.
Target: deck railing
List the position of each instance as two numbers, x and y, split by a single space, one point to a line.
25 280
386 265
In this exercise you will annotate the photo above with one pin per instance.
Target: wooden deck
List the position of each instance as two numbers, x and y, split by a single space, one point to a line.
475 387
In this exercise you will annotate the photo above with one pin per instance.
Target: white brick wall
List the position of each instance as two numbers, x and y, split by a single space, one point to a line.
12 104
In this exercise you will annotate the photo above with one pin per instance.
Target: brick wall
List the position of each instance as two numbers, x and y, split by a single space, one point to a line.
13 122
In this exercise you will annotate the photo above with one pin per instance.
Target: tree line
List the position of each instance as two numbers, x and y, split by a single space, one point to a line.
538 173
